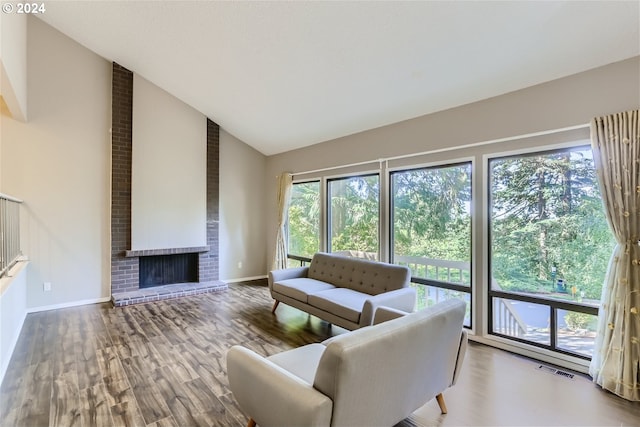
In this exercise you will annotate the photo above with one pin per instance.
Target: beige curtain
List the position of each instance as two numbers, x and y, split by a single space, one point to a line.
616 149
284 195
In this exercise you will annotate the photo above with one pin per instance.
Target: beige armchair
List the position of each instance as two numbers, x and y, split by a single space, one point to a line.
374 376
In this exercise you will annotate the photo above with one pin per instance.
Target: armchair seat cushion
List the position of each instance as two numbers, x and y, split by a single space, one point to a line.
342 302
301 288
301 362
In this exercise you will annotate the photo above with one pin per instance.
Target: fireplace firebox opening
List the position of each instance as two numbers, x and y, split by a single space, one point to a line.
158 270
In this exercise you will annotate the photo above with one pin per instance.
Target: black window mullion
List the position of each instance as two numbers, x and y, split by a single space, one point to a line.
553 327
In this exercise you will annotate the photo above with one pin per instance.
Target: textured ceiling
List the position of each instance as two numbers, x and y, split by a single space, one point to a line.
283 75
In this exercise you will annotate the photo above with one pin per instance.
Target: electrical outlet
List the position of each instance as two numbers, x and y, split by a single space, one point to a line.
239 264
46 286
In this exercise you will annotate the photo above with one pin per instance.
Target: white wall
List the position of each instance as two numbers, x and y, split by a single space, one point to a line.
13 63
169 171
242 209
58 163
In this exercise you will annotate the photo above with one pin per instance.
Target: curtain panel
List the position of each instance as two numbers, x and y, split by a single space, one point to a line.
615 366
285 182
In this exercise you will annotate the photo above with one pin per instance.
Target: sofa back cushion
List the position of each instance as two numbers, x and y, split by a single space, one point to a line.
370 277
379 375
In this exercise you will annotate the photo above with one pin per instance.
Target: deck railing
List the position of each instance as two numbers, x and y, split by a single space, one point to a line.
9 232
438 269
506 319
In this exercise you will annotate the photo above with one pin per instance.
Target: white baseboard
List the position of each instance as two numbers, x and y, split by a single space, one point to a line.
68 304
244 279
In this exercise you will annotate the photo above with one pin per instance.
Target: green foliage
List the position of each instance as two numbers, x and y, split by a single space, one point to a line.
431 215
546 214
575 320
354 213
304 219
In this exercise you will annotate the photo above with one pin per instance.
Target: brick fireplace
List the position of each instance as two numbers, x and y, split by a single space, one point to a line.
125 262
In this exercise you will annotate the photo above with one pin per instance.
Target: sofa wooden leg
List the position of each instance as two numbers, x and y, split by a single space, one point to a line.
251 423
440 399
275 305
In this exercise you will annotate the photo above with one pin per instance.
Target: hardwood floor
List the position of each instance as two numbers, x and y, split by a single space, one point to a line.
162 364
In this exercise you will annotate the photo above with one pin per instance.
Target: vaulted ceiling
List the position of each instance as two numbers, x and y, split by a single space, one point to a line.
284 75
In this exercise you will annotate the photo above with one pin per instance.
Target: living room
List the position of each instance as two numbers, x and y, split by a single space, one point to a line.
55 155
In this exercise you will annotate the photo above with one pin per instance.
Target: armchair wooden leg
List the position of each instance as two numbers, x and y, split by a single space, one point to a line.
440 399
251 423
275 305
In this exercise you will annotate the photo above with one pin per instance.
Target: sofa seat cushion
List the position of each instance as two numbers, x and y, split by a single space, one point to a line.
301 288
342 302
302 361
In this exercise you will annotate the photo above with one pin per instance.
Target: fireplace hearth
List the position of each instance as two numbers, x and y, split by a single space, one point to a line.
152 268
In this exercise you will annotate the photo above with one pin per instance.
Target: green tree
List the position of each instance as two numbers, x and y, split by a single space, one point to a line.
431 212
354 213
547 213
304 219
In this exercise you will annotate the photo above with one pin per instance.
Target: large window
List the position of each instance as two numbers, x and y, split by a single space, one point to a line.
550 245
354 215
304 219
431 231
547 241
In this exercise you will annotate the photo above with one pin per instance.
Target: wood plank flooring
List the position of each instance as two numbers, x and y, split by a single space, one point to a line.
162 364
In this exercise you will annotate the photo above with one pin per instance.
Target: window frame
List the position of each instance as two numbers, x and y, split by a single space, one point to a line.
482 296
553 304
431 282
298 257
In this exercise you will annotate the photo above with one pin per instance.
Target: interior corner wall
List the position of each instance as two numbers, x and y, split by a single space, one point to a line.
242 210
13 63
58 163
570 101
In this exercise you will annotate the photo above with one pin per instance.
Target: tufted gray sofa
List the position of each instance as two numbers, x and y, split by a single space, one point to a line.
344 291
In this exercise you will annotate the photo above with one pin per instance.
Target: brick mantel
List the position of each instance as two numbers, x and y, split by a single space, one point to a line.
153 252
